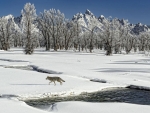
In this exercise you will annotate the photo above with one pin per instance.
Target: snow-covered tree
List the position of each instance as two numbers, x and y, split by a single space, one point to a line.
114 35
18 40
50 24
28 27
44 30
91 39
77 38
68 33
110 35
6 32
144 41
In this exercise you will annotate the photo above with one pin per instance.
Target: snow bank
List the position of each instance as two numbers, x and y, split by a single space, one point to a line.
36 68
14 106
84 107
138 87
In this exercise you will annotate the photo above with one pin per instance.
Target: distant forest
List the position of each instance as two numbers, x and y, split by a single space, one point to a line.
84 32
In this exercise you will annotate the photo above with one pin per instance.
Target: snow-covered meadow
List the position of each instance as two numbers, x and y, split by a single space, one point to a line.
77 69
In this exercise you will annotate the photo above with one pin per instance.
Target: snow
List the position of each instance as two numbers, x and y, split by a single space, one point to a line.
9 17
77 69
87 20
66 107
14 106
102 16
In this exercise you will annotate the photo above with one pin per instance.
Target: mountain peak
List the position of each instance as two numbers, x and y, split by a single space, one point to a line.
102 16
77 16
87 20
88 12
139 24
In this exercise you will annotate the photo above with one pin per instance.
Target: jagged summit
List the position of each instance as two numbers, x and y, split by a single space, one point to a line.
139 24
101 18
77 16
88 20
122 21
139 27
80 15
88 12
18 19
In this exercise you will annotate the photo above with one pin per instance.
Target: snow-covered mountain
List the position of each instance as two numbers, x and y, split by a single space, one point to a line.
138 28
102 19
17 22
12 19
18 19
88 20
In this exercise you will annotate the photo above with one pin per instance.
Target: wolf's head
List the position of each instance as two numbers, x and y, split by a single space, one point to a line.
47 77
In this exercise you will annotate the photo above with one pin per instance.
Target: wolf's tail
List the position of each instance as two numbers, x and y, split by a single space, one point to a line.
62 80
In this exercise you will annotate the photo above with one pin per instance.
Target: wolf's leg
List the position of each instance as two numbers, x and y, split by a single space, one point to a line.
54 83
60 83
50 82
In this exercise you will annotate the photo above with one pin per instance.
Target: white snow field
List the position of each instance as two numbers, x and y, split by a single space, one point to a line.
77 69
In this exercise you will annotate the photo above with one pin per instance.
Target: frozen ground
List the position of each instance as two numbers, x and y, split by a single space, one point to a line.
15 106
77 69
82 107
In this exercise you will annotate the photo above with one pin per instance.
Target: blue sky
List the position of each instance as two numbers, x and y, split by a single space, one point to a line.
134 10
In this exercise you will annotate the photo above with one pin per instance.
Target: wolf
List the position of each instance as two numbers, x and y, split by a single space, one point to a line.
53 79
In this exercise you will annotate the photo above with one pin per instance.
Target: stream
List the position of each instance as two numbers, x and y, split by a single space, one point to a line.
123 95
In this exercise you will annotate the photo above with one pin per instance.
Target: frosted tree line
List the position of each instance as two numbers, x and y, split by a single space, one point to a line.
53 31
